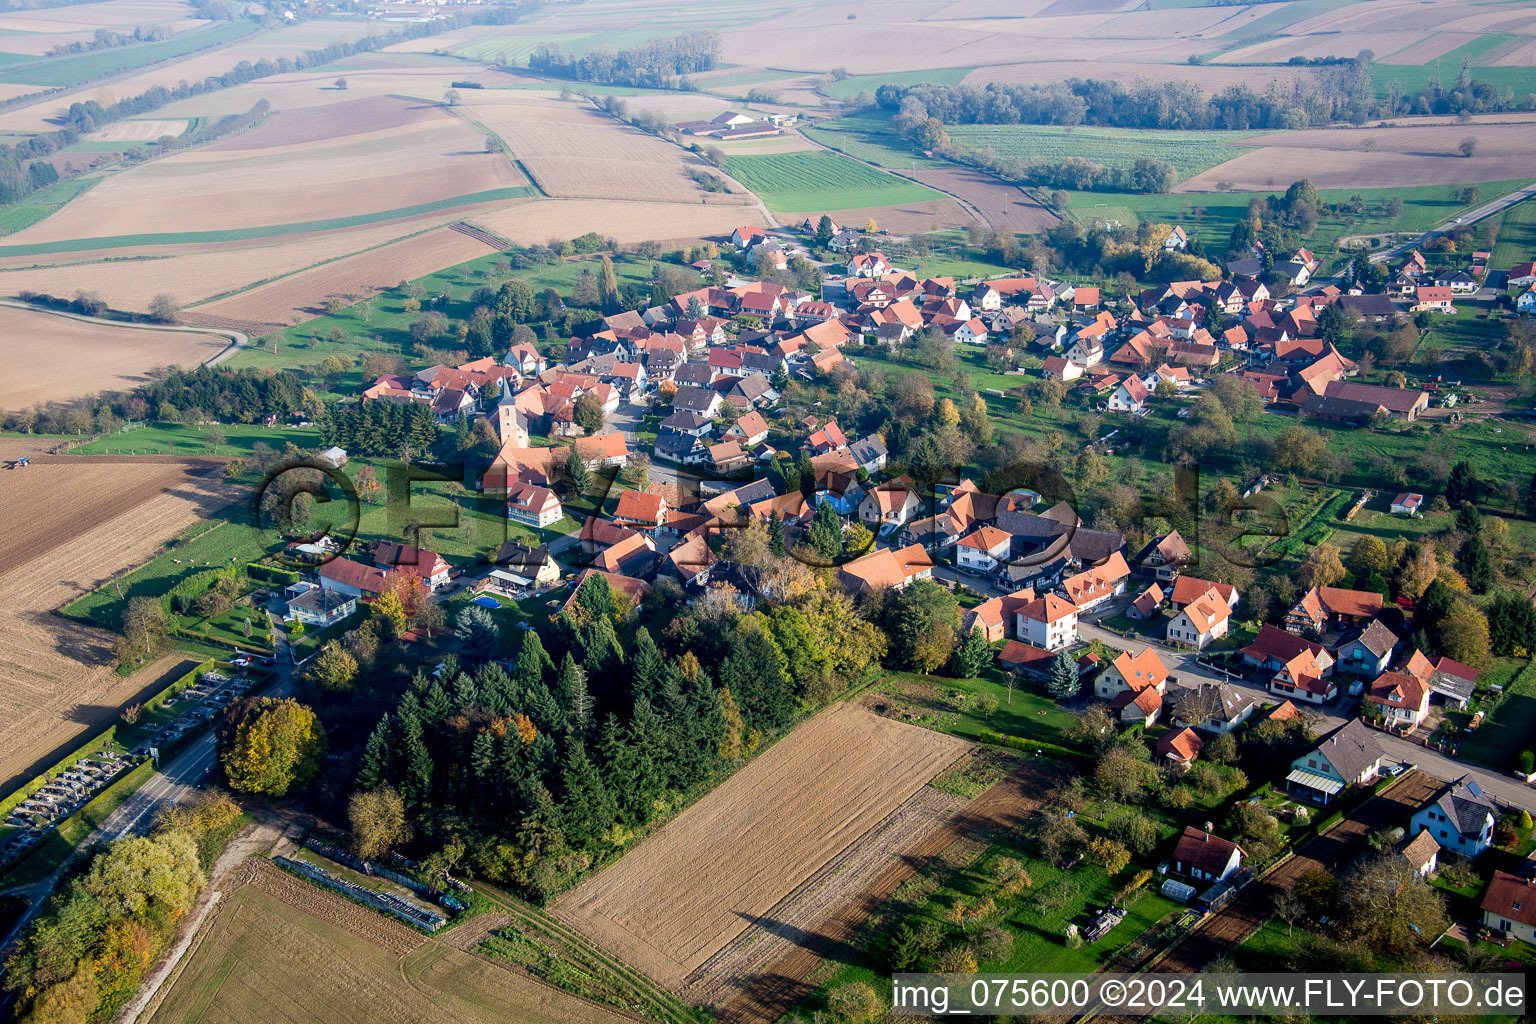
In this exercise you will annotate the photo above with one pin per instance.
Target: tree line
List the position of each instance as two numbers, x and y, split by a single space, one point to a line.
656 63
379 428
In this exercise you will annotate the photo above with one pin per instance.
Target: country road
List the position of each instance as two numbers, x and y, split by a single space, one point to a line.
1488 209
237 339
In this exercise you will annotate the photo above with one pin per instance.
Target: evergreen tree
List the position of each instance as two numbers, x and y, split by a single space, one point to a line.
826 532
647 745
586 806
972 655
1474 563
648 666
495 688
1463 484
616 757
437 706
532 663
1063 683
1469 520
824 230
574 698
465 693
754 673
776 534
482 766
1512 626
377 767
416 785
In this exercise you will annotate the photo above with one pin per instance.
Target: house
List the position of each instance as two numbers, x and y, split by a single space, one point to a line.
1422 853
812 224
1402 700
1097 584
1179 746
1321 607
608 450
1214 707
1026 659
749 429
1200 622
1348 401
634 554
701 401
994 618
1130 673
1299 268
640 511
321 607
886 567
1406 504
1303 678
1084 299
427 565
1049 621
1522 274
1202 856
1275 649
1133 706
828 439
1525 302
1509 906
1188 589
984 550
1146 604
1369 653
728 456
868 264
1460 282
528 565
1460 818
351 579
1433 299
748 235
1454 683
889 505
1163 557
1059 368
1176 241
1131 396
1347 756
534 506
869 454
993 295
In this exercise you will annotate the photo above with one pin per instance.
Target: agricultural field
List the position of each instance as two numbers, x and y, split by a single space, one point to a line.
364 159
684 894
1517 236
1189 152
1405 154
279 945
75 70
52 358
57 682
805 184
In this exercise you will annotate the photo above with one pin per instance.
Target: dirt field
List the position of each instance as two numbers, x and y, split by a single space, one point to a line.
138 131
539 220
303 295
1414 154
686 892
194 273
281 949
347 159
52 358
56 678
574 152
787 981
1002 205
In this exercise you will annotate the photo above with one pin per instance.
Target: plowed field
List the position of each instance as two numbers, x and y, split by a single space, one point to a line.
686 892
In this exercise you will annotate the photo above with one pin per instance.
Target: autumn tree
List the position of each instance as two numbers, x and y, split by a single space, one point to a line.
276 746
1387 904
378 822
1320 568
924 624
335 669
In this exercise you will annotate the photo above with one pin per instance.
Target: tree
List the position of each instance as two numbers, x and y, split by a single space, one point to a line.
1059 836
1512 626
854 1003
1109 853
924 624
451 97
1469 520
1321 568
608 286
1368 557
1124 776
576 472
1319 891
145 625
972 656
1289 908
477 631
1462 635
378 822
1388 904
824 230
164 308
275 746
1463 485
1475 564
1063 683
589 412
1094 728
334 669
340 83
1467 146
585 292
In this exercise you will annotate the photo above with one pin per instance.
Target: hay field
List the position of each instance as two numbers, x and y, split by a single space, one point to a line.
1406 154
281 949
57 684
542 219
302 295
347 159
573 152
686 892
51 358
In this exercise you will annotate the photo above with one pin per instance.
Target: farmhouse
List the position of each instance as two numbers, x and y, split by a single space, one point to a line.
1332 606
427 565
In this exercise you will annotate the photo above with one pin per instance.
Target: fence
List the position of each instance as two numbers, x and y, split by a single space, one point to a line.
367 867
427 920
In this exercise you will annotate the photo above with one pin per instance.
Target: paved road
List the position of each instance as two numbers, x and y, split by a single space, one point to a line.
1488 209
176 782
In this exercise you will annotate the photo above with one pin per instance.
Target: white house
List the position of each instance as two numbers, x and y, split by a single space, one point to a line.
984 550
534 506
1347 756
868 264
1509 906
1132 673
1402 699
1131 396
1203 856
1460 818
1200 622
321 607
1048 622
1406 504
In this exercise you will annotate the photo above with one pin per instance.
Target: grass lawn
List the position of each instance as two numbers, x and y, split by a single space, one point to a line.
855 84
869 137
950 705
1517 236
43 203
181 439
1511 727
797 183
1190 152
65 71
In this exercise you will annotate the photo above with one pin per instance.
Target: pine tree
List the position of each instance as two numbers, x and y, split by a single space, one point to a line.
617 760
532 662
1474 563
648 666
1469 520
1463 484
754 672
577 702
647 739
1063 683
377 766
437 706
416 786
465 693
482 765
586 805
972 655
776 534
495 688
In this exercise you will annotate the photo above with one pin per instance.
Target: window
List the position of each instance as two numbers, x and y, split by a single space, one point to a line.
1517 904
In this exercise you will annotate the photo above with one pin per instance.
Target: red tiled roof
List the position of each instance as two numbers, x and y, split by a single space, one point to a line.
1202 850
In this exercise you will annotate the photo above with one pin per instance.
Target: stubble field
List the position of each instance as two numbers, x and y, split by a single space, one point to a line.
684 894
51 358
539 220
281 949
69 528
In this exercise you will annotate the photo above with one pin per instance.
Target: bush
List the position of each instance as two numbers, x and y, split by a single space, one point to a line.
272 574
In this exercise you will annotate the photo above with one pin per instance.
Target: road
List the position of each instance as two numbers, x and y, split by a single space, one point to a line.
176 782
1488 209
237 339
